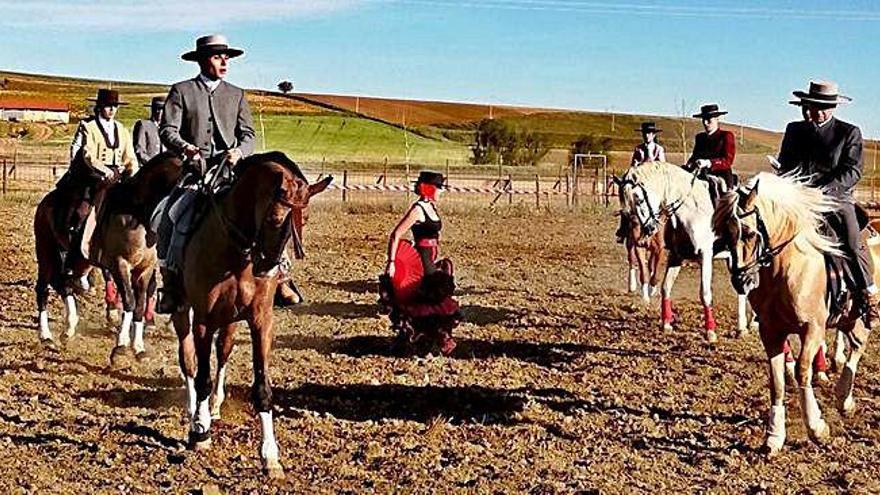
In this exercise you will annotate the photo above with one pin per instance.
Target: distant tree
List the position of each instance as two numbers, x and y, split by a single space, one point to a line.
285 87
589 143
495 138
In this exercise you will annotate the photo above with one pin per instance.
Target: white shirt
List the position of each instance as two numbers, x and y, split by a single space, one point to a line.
210 83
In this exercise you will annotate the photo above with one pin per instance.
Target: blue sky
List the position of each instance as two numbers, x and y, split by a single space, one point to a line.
635 56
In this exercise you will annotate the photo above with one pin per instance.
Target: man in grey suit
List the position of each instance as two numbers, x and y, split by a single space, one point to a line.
206 120
827 152
146 133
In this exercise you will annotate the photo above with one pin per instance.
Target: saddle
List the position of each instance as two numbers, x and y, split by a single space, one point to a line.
838 274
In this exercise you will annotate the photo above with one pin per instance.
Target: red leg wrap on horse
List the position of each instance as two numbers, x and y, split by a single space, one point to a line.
709 318
819 363
666 313
150 313
111 295
786 349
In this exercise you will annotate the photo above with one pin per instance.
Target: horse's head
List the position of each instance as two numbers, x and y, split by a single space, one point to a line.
285 217
638 207
739 225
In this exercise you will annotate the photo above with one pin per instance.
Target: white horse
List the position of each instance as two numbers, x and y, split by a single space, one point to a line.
655 188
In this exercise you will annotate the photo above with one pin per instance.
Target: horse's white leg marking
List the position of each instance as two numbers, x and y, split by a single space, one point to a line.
742 324
775 437
646 293
817 426
269 447
45 333
202 420
219 392
839 351
706 277
71 317
190 398
754 322
633 282
123 339
843 391
138 337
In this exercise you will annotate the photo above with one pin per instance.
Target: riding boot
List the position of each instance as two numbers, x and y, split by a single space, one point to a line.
171 293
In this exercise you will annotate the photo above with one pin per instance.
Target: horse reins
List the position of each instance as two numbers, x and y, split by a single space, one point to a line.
766 253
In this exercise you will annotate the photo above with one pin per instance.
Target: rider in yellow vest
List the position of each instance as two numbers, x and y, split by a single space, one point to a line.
101 153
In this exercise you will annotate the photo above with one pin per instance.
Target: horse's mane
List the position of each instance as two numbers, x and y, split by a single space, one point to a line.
271 156
671 179
786 203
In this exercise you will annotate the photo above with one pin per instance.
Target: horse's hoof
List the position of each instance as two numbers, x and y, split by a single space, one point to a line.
821 434
770 449
119 357
272 469
667 327
711 336
49 344
142 355
742 333
199 441
843 392
822 377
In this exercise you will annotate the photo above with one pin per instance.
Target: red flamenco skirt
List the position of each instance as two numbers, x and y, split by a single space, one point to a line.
421 306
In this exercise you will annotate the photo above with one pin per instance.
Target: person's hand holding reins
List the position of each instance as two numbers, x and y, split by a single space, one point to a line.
191 152
233 156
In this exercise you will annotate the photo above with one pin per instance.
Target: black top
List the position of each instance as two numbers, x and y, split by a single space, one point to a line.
429 229
830 156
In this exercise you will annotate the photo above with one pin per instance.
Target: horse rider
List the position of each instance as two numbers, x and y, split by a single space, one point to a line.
208 121
827 152
101 153
649 150
714 149
146 132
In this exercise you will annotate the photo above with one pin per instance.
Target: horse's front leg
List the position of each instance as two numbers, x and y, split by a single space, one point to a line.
122 276
843 391
773 347
632 263
840 342
186 355
667 315
225 342
200 424
261 339
706 294
644 275
141 290
811 340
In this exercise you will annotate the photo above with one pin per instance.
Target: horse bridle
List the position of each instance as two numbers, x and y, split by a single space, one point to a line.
766 252
253 248
650 221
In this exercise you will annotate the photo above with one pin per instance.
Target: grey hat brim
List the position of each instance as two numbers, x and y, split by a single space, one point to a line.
805 97
195 55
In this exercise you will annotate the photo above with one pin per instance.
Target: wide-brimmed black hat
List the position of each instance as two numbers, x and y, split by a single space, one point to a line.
107 98
823 93
211 44
156 102
709 111
433 178
647 127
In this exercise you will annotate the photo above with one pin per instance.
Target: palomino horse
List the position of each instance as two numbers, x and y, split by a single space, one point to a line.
778 251
120 245
229 275
654 189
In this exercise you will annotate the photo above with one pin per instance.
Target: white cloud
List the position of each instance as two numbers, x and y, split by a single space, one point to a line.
159 15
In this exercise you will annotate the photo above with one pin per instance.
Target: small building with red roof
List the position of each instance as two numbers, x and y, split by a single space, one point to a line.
34 110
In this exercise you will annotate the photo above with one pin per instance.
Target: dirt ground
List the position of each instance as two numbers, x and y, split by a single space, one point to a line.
561 382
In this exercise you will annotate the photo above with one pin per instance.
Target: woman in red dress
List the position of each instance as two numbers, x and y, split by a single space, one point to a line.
416 289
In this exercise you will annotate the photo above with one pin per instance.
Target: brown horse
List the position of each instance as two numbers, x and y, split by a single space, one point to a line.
779 259
121 246
646 255
229 275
